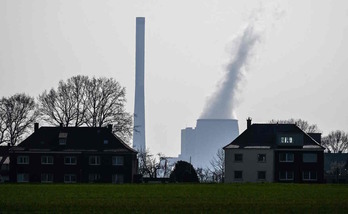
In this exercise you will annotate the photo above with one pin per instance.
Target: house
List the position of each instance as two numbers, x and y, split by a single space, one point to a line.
274 153
73 155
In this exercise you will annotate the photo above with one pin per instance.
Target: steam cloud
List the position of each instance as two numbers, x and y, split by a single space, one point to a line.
222 103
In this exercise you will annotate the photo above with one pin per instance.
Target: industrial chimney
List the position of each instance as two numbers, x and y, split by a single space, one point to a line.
139 102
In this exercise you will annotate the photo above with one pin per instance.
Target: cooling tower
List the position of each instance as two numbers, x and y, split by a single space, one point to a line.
139 102
200 144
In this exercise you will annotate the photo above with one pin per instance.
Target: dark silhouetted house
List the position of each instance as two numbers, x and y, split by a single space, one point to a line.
4 167
73 155
336 167
274 153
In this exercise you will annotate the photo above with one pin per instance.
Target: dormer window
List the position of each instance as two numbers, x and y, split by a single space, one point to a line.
62 138
286 140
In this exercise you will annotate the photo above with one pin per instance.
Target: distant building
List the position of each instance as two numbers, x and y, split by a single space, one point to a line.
73 155
199 145
336 167
274 153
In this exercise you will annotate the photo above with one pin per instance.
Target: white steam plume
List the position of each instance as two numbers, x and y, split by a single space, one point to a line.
222 103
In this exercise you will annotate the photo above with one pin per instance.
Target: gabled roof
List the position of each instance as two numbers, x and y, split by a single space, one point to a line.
76 138
264 136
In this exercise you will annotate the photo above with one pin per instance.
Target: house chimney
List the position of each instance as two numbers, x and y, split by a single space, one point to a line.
248 122
110 127
36 127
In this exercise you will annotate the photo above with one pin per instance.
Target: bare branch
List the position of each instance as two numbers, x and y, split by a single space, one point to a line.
302 124
18 113
336 142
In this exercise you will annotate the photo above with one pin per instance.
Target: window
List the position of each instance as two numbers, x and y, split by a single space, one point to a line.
106 142
22 177
23 160
62 138
4 178
94 160
62 141
238 175
93 178
286 157
261 158
286 140
46 160
117 179
117 160
309 176
261 175
238 157
309 157
46 178
69 178
286 175
70 160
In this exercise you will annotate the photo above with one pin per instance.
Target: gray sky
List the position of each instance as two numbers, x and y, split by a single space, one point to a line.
298 69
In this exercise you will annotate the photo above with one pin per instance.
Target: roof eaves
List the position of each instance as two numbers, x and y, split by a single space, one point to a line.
237 138
306 134
126 145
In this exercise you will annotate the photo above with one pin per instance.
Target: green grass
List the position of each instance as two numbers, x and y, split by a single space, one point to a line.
174 198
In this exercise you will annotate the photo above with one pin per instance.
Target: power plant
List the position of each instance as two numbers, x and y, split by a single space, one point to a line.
215 128
139 102
199 145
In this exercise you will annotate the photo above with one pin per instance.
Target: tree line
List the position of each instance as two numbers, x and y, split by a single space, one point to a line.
96 102
78 101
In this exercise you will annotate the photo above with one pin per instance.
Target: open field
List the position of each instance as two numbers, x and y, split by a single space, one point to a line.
174 198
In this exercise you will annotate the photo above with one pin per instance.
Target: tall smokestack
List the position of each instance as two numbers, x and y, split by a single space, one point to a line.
139 103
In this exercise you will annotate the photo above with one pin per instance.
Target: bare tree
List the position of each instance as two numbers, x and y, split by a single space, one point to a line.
66 105
204 174
17 115
3 126
336 142
337 169
106 105
148 165
93 102
154 166
77 86
302 124
165 166
218 166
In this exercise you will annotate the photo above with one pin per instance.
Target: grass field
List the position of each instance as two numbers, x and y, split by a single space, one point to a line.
174 198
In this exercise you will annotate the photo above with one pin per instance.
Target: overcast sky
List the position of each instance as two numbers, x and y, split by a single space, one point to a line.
298 68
